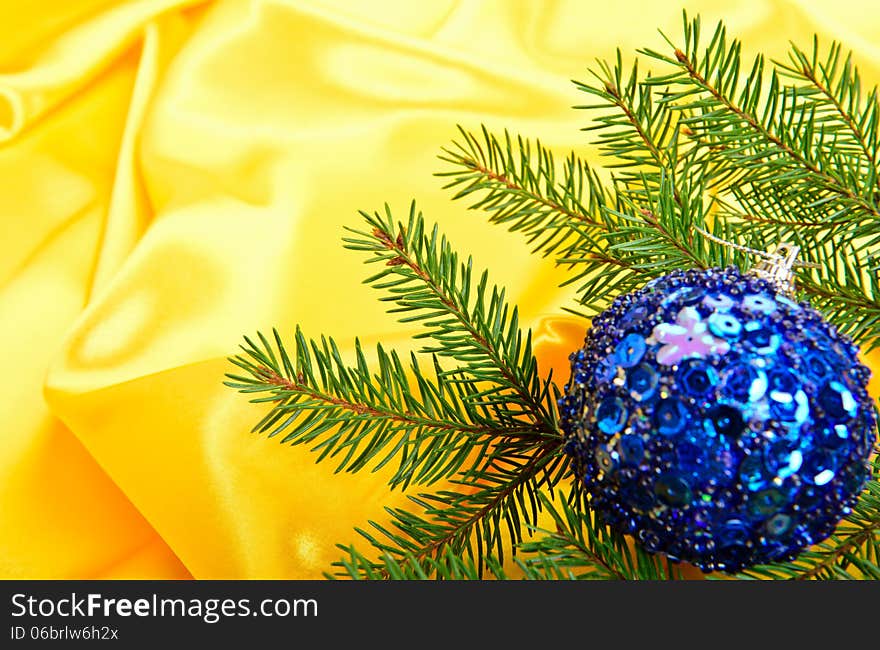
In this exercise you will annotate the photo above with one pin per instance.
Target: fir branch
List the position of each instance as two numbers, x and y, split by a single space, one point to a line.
833 89
779 146
484 516
746 161
466 321
847 290
448 566
524 194
516 183
366 418
638 132
491 421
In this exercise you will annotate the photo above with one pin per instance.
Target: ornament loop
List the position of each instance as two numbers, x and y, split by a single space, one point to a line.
776 267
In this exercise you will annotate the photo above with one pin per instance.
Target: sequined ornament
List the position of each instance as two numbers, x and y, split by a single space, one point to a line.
718 421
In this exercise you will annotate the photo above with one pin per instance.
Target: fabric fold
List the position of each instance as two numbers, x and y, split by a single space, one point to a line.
72 61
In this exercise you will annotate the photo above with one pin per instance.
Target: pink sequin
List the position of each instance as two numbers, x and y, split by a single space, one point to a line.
688 337
719 302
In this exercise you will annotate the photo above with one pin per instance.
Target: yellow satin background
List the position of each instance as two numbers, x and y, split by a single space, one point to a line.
174 174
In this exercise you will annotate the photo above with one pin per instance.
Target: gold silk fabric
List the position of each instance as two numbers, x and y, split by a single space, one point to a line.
175 174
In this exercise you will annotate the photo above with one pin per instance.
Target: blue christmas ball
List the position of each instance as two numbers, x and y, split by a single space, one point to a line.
718 421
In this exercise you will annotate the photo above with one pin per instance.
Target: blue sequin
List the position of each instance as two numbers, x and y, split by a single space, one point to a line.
611 414
819 467
793 408
605 370
782 460
744 383
766 502
778 525
670 416
789 305
690 457
759 304
691 295
733 533
832 436
673 489
634 317
642 382
685 296
782 380
836 400
725 420
753 473
631 449
697 377
724 325
816 367
761 338
630 350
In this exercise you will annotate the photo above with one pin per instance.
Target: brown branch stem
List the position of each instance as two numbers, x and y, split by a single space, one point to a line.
272 378
403 257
